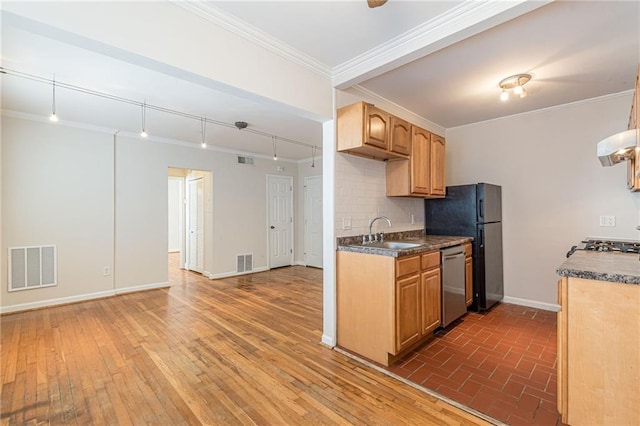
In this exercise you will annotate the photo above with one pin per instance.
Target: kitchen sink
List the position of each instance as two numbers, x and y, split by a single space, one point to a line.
393 245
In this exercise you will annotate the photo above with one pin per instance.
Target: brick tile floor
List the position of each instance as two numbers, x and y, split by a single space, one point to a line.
501 363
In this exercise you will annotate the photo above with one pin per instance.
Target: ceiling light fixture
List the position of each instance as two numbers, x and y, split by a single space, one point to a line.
515 83
143 133
275 146
203 122
54 117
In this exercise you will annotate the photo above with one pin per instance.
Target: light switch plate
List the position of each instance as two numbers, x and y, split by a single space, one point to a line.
346 223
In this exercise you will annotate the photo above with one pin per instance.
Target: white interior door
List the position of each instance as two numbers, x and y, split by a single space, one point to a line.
313 221
195 234
280 220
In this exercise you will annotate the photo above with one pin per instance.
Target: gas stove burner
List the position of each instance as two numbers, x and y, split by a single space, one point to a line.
611 246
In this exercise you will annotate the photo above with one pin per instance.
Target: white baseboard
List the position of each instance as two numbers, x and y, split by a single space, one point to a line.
143 287
532 303
207 274
328 340
299 263
54 302
234 273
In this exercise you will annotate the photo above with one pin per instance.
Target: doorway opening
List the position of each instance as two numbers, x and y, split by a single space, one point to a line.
189 218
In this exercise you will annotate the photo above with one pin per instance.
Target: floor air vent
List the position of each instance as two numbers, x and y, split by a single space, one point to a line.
32 267
245 262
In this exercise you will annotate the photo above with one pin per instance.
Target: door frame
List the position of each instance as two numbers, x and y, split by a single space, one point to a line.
305 215
267 221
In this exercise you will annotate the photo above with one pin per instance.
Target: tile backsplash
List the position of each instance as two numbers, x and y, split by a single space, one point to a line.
360 196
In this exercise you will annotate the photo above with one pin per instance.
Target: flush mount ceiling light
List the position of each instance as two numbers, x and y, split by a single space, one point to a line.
515 83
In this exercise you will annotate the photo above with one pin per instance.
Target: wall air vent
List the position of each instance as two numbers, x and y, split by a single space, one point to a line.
245 263
32 267
245 161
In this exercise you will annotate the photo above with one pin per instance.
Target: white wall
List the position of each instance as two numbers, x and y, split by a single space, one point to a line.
175 211
554 188
57 188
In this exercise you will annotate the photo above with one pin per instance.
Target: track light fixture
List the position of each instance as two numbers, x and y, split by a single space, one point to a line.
313 156
275 147
240 125
203 122
54 117
515 83
143 133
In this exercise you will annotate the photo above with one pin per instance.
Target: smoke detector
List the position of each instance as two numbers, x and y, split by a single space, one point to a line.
241 125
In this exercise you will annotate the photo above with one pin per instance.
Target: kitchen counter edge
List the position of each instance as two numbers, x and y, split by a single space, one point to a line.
428 243
612 267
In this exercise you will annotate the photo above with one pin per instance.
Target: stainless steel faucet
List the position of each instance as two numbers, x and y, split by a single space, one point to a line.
371 225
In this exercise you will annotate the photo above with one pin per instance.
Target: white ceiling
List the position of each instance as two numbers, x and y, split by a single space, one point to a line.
574 49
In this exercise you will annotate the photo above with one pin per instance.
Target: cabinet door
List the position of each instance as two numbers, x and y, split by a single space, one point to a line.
400 140
420 159
468 280
437 165
407 312
376 127
431 300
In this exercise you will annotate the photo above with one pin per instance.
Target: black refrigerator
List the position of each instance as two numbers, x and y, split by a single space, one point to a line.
475 211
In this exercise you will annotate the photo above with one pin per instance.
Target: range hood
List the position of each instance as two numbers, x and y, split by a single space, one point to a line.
618 147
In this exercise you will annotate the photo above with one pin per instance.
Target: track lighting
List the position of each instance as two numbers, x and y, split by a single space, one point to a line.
275 147
143 133
54 117
515 83
240 125
203 122
313 156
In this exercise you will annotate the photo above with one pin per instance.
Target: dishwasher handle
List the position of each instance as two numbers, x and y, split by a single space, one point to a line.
453 255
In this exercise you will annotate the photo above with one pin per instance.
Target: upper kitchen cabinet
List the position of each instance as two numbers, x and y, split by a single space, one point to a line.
423 174
633 166
371 132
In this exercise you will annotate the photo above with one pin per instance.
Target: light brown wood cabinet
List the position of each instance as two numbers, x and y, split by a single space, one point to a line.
633 165
387 305
423 174
365 130
468 274
598 360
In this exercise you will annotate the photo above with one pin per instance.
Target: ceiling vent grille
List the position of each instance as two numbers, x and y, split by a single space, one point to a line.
245 263
245 161
32 267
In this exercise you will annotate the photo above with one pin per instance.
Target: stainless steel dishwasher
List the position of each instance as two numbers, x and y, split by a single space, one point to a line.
453 297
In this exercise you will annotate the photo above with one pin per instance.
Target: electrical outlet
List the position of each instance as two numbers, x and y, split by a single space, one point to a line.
607 221
107 271
346 223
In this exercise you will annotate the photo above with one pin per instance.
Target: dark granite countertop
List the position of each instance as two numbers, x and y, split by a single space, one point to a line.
426 243
604 266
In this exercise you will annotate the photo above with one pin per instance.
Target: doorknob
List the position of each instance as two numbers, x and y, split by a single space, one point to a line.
273 227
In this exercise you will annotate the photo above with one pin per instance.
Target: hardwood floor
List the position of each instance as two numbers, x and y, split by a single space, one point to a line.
242 350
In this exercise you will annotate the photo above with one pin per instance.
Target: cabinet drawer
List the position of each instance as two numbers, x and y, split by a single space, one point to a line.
431 260
467 249
407 265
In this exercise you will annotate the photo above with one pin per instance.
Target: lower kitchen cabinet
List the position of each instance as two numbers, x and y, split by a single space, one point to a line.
598 359
386 305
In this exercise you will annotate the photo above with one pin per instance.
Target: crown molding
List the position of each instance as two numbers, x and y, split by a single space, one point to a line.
626 93
458 23
256 36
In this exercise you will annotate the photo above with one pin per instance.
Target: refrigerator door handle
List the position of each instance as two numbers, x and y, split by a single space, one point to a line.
481 209
481 238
